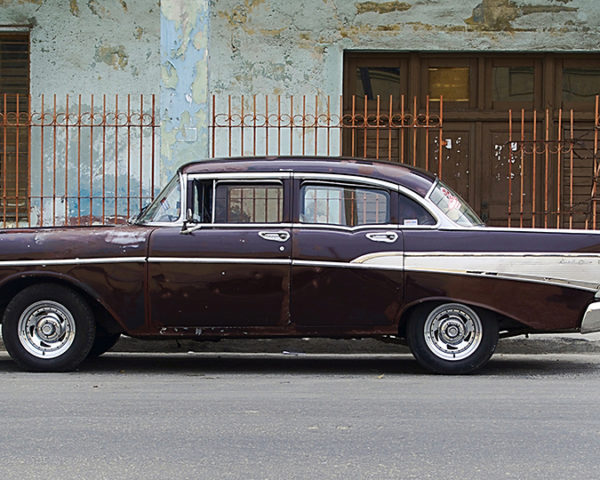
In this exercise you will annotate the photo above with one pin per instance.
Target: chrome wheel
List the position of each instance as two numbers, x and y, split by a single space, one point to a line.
46 329
453 331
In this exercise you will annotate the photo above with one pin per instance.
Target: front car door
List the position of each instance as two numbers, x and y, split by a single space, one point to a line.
230 265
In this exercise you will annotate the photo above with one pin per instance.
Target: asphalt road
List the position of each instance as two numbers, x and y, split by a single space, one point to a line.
238 416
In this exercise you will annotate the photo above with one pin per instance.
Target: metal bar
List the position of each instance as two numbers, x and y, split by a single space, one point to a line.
534 172
352 150
414 130
214 126
440 159
28 204
92 116
509 167
559 166
267 126
316 123
571 206
402 128
242 129
254 125
17 144
377 116
546 162
42 129
129 155
54 164
303 125
427 134
103 156
141 160
390 119
116 157
79 161
522 182
67 160
365 125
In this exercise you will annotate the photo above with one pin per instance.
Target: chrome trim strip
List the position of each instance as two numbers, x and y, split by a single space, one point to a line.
500 254
591 319
352 264
251 176
258 261
339 177
71 261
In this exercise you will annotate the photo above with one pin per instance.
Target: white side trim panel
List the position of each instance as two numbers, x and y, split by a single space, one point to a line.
571 269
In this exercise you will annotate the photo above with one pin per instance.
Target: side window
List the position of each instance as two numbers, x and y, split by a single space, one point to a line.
344 205
201 200
248 203
412 214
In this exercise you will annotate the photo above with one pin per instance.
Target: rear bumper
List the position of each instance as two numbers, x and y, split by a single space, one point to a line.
591 319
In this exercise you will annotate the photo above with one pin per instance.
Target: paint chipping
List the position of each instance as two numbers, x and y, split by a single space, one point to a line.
125 238
74 7
384 7
531 9
113 56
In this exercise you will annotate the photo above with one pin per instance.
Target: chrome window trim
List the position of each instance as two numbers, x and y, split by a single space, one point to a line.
182 209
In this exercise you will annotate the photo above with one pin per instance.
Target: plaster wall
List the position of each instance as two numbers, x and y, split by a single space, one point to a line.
277 47
88 47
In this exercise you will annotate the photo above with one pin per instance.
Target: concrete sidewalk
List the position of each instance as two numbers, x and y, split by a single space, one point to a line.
535 344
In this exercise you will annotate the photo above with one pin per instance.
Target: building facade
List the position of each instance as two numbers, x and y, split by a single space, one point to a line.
205 60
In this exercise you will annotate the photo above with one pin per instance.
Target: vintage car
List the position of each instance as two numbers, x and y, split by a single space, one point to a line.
296 247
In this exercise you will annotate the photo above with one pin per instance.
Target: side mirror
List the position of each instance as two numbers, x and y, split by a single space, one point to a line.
189 224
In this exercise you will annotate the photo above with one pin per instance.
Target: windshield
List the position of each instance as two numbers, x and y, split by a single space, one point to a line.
455 208
166 207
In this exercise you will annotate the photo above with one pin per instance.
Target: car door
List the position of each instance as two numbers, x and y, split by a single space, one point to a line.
230 266
338 225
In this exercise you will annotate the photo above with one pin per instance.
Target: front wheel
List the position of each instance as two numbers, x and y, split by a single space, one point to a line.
451 338
48 327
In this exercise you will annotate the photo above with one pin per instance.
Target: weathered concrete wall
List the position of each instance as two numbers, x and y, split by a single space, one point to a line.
279 47
85 47
90 46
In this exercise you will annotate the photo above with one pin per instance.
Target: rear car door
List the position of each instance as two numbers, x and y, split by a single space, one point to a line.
337 224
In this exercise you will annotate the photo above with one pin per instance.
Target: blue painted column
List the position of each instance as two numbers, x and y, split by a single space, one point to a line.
184 106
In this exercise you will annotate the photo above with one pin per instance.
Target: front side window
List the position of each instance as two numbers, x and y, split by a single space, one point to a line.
248 203
166 207
348 206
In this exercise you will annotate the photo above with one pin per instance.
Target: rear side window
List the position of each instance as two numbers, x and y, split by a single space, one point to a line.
344 205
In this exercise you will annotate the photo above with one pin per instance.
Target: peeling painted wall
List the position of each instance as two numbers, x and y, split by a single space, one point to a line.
90 46
87 47
278 47
184 88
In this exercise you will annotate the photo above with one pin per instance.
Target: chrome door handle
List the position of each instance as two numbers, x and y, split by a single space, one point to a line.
280 236
386 237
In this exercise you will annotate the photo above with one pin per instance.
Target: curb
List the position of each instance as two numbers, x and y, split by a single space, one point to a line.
534 345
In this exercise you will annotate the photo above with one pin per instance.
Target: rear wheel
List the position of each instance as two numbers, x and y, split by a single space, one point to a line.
48 327
451 338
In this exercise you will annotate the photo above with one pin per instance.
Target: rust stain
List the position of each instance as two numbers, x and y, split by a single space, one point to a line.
498 15
384 7
116 57
530 9
74 7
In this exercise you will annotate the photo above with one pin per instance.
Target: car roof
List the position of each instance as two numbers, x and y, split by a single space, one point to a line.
415 179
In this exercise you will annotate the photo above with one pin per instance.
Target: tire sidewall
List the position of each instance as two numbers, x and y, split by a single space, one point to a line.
429 360
70 300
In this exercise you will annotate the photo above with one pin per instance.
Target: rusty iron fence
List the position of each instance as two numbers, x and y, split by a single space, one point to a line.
553 169
75 160
387 129
79 161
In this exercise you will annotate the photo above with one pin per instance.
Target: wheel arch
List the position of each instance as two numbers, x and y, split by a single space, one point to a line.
103 315
505 322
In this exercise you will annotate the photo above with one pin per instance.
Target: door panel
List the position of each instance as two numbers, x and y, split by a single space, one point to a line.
220 277
345 296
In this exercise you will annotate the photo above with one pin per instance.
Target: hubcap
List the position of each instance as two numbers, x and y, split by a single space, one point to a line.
453 331
46 329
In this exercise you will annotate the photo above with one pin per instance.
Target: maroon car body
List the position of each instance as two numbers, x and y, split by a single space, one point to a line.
304 247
